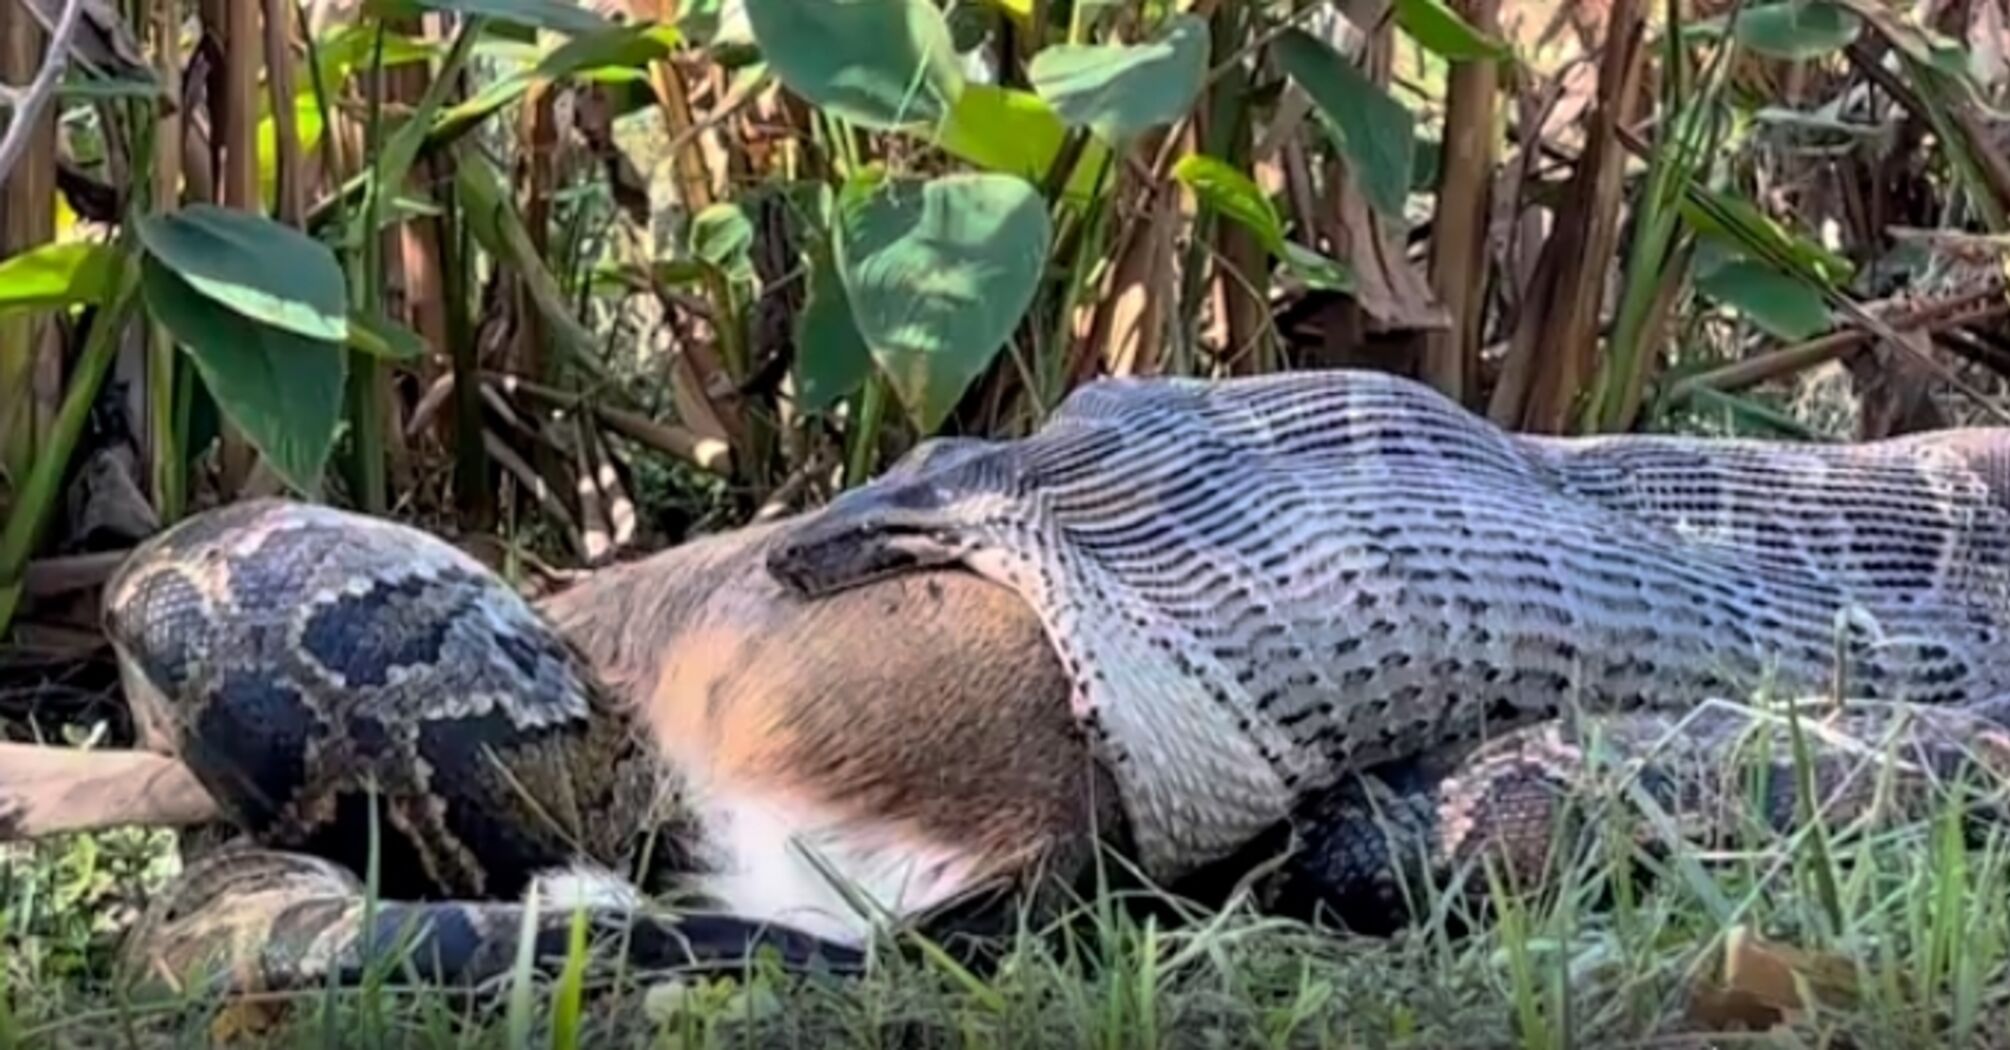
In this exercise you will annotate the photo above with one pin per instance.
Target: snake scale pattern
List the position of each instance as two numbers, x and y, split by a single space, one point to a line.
1259 584
351 690
1256 586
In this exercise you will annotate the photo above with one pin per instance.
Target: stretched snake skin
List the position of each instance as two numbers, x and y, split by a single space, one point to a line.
312 666
1258 585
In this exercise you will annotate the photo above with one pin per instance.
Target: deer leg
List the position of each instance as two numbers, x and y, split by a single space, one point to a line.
47 790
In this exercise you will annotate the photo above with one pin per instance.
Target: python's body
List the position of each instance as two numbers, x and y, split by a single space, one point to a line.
1259 584
1249 589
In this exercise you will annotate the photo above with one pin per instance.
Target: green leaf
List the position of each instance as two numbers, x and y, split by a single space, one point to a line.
1444 31
347 48
570 19
1233 194
493 220
1786 307
1796 29
393 159
282 390
832 360
877 63
93 89
623 47
1119 90
1740 223
1003 130
1373 131
339 54
679 273
262 269
1016 133
1237 196
57 276
1316 270
938 275
1924 46
722 237
385 339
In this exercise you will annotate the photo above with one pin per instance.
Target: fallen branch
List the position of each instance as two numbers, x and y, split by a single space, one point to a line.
69 573
1932 316
707 454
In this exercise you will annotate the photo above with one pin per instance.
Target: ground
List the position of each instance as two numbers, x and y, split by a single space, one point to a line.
1833 939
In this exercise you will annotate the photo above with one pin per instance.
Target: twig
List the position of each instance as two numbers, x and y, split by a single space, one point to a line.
704 453
1930 316
499 450
28 106
783 500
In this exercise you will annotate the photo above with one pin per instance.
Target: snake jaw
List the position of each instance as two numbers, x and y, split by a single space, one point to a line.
893 526
817 564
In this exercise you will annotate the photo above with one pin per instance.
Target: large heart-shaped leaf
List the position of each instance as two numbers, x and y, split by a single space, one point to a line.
938 274
54 276
1797 29
1120 90
283 390
878 63
1373 131
259 268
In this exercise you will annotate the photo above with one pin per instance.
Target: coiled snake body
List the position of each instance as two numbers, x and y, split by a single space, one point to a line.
354 691
1256 588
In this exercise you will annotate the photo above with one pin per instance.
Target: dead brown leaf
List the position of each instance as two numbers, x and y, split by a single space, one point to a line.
1766 983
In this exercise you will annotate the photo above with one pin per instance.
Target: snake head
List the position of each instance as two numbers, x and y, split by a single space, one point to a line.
919 515
162 615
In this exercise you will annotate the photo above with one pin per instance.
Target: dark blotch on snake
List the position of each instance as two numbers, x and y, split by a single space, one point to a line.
466 758
248 745
361 637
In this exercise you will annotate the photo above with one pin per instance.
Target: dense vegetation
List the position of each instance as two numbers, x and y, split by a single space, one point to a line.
570 282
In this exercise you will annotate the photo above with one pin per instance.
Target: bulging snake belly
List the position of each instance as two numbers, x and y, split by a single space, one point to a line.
1258 585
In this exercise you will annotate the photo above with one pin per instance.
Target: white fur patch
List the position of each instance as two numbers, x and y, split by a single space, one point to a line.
585 886
785 862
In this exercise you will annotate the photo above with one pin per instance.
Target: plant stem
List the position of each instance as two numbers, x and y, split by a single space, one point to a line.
37 499
366 424
871 406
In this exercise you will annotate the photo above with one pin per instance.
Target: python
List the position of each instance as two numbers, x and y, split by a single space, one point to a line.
959 685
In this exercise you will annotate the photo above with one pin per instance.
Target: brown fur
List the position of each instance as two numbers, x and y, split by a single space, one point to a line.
930 701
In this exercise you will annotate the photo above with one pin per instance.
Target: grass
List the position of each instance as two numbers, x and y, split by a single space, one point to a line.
1905 932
